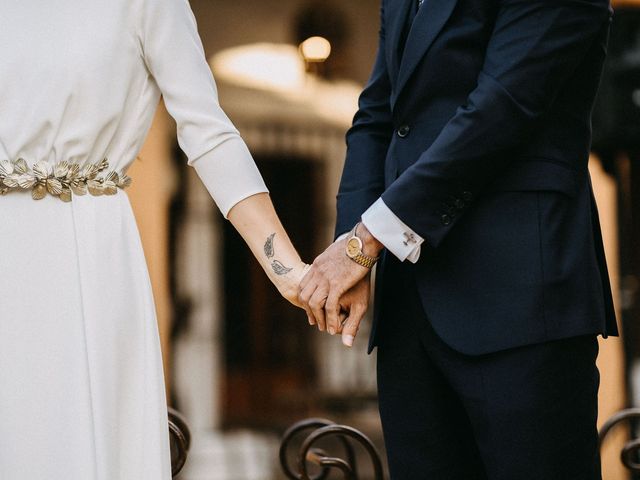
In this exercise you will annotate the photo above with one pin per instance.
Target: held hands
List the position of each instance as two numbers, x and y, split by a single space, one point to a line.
335 291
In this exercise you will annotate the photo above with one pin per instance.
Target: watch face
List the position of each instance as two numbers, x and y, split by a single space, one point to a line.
354 247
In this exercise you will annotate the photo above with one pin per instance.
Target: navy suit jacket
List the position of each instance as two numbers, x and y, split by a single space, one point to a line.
478 138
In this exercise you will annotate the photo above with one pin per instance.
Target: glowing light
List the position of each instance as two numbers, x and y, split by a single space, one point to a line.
315 49
269 81
265 66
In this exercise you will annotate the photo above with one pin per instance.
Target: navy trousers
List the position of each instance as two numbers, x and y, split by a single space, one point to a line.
523 414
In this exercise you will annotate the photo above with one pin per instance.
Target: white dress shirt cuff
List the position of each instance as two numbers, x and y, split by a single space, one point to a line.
392 232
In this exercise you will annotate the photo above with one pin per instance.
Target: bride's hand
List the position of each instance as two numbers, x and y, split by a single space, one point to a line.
289 284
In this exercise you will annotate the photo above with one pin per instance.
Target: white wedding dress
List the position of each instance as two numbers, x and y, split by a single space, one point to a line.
81 383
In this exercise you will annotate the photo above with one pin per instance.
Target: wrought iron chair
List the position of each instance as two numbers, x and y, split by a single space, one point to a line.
630 455
319 428
308 453
180 441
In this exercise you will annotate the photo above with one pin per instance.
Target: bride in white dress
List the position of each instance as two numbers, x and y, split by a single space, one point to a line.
81 383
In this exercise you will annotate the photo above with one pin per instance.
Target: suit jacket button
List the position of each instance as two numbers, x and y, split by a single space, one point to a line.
445 219
459 203
468 196
403 131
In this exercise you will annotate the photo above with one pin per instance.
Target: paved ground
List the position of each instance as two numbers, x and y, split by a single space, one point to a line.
241 455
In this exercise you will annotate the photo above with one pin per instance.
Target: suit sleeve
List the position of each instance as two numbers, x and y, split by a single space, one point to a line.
535 46
367 144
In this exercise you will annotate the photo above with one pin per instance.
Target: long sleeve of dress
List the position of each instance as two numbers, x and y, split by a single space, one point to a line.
175 58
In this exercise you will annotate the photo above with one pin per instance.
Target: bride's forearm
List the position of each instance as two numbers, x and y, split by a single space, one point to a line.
256 220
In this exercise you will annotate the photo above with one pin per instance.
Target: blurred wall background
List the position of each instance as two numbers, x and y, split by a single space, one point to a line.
241 363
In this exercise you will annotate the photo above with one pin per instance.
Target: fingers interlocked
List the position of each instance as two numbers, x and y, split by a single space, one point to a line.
335 292
313 296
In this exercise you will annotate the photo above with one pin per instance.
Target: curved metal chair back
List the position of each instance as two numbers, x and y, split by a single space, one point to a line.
630 455
180 441
308 453
320 428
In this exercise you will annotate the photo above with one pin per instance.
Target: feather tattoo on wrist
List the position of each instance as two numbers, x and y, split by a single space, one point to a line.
270 252
268 246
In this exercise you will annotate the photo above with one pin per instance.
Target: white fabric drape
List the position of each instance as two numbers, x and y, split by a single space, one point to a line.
81 383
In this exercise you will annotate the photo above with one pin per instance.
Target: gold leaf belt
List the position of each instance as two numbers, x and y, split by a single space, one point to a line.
61 179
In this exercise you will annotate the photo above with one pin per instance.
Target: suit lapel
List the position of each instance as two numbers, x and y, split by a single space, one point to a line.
397 18
430 20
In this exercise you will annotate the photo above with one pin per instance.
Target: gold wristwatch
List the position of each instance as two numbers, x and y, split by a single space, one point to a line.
354 250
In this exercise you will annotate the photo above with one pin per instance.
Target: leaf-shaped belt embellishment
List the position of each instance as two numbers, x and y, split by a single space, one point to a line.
62 179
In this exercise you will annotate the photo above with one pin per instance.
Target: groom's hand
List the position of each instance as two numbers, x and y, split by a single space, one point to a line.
333 274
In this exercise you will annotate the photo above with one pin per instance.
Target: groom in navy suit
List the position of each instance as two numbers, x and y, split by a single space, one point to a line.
466 180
